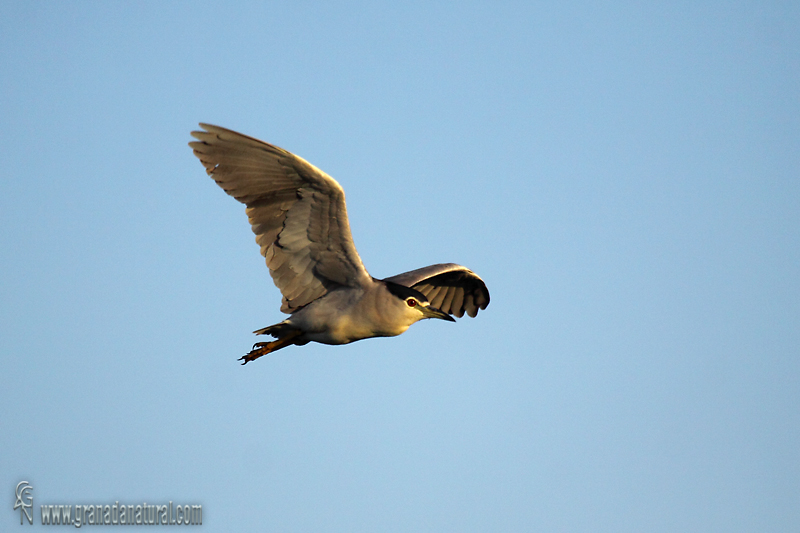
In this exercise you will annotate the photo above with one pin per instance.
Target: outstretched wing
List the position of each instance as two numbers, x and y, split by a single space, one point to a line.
449 287
296 210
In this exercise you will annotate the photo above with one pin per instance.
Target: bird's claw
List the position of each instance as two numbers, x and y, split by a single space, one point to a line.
254 354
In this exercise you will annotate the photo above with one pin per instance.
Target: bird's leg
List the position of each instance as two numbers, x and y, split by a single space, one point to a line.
264 348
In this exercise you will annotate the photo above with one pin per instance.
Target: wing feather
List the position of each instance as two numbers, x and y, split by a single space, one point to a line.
457 304
297 212
448 298
430 292
438 299
469 305
452 288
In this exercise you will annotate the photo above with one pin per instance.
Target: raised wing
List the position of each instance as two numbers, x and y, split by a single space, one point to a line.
449 287
296 210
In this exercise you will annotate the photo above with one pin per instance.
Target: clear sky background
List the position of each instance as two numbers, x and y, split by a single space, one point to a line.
623 175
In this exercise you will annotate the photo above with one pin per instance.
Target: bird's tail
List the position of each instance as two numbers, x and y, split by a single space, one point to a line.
277 330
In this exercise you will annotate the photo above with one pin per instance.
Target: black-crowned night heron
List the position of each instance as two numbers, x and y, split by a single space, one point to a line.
299 217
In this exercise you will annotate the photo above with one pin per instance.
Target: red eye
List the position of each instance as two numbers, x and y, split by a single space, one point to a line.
411 302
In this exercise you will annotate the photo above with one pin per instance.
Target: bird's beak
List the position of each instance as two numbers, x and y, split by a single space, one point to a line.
432 312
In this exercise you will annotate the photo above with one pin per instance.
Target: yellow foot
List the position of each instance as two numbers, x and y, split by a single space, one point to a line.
264 348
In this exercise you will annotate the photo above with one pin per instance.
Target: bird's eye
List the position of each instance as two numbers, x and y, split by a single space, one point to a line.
411 302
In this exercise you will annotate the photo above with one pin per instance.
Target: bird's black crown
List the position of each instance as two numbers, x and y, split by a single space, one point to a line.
404 292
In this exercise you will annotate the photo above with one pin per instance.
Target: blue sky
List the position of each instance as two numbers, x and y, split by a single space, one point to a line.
624 176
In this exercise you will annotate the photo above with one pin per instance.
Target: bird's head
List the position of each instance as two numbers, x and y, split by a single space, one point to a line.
415 305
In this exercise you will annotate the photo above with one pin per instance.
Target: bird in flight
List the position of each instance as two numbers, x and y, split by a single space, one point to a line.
299 217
